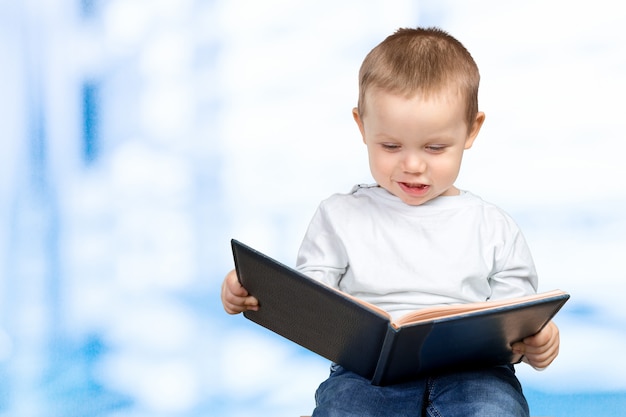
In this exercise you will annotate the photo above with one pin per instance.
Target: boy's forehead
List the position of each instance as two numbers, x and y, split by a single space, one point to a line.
389 110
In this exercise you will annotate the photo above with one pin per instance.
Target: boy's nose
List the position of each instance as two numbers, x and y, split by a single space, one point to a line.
413 163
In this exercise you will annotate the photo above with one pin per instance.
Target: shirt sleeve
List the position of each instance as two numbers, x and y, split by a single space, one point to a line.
514 274
322 255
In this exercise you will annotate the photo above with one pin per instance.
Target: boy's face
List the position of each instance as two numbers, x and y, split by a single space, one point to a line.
416 144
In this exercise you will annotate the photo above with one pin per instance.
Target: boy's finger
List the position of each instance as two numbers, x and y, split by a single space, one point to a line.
518 348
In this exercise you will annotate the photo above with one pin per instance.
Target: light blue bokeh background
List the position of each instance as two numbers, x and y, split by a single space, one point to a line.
139 136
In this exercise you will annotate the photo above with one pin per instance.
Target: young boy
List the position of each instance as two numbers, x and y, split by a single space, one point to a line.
413 239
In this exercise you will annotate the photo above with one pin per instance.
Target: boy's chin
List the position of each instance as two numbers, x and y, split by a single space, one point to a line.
413 200
419 196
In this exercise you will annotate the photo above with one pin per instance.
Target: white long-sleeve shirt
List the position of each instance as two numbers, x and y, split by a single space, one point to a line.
455 249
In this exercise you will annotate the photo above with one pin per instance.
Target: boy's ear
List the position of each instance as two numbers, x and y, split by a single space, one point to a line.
478 123
359 122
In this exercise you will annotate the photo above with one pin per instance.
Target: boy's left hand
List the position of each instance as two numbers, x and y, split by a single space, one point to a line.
541 349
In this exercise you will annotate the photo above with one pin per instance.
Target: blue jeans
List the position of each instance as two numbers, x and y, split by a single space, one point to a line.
492 392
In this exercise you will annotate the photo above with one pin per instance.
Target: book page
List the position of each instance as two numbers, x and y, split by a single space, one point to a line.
446 311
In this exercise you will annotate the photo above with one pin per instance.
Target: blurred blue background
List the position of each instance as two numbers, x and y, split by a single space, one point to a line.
139 136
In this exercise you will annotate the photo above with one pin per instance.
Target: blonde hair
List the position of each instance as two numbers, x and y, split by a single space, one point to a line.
422 60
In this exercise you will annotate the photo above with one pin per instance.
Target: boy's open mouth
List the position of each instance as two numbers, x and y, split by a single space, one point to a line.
414 186
413 189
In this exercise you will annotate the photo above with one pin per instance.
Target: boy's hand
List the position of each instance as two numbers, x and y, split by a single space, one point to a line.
541 349
235 298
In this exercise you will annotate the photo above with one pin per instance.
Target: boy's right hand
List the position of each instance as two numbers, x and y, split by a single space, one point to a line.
235 298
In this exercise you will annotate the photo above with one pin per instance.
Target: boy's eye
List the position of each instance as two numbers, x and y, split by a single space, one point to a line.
390 146
435 148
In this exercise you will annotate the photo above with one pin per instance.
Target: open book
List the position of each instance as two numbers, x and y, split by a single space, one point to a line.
362 338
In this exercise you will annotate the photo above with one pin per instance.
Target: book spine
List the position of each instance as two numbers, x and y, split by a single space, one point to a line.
385 355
